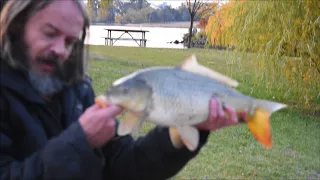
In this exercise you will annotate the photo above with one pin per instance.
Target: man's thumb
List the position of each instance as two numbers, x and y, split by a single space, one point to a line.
111 111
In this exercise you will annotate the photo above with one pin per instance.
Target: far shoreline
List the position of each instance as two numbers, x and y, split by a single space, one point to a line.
179 24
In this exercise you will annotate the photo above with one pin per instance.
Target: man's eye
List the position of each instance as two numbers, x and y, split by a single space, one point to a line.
50 34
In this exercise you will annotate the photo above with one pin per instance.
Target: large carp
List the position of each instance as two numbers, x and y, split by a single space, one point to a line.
178 97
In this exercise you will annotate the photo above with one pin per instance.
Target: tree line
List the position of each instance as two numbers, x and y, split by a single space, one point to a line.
135 11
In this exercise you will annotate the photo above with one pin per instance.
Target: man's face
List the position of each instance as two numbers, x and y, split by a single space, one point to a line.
50 35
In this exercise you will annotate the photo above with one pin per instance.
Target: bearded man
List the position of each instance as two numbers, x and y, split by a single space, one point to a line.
50 127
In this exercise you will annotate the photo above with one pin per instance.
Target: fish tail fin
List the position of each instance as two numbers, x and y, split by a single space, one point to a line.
259 120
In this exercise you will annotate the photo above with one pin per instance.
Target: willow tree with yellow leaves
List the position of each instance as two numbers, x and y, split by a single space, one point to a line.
284 35
218 24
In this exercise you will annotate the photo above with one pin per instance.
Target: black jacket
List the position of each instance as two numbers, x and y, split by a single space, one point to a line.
36 144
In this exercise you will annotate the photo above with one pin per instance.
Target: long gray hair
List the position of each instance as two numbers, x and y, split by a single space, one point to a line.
14 16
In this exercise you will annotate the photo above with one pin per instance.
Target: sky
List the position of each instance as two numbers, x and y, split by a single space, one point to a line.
173 3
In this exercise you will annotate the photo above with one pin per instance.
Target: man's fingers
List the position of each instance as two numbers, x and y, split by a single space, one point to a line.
93 107
243 115
110 122
213 111
216 109
109 112
232 115
219 107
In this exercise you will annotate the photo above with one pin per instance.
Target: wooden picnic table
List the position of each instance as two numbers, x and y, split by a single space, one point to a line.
140 41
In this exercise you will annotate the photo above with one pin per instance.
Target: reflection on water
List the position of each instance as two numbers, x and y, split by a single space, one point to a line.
157 37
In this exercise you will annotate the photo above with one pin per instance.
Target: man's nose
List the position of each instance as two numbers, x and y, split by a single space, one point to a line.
59 48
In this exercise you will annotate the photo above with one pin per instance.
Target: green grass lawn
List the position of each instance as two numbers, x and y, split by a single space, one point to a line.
231 153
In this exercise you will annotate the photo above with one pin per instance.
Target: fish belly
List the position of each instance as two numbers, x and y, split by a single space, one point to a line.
177 111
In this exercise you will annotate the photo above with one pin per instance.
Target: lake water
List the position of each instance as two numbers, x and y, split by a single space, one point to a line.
157 37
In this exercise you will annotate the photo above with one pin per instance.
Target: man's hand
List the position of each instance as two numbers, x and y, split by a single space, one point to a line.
218 118
99 124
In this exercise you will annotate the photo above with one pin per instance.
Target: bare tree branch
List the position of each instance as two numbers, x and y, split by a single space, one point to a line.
199 6
196 5
188 5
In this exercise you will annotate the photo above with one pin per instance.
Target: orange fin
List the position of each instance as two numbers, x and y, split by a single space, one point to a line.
187 136
259 124
175 137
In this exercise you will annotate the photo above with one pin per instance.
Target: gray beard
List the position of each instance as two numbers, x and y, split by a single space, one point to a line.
45 84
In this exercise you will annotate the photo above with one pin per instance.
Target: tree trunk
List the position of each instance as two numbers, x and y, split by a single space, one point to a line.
140 4
190 31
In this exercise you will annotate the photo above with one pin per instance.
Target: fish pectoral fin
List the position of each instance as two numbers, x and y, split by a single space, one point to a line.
127 124
175 137
138 126
191 64
259 120
185 135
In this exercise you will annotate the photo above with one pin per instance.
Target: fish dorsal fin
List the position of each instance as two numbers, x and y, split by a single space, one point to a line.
191 64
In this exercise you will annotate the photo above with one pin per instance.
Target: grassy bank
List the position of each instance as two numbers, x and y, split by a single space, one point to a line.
231 152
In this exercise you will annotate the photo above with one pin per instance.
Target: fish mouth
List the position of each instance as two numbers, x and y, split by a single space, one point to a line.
101 100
